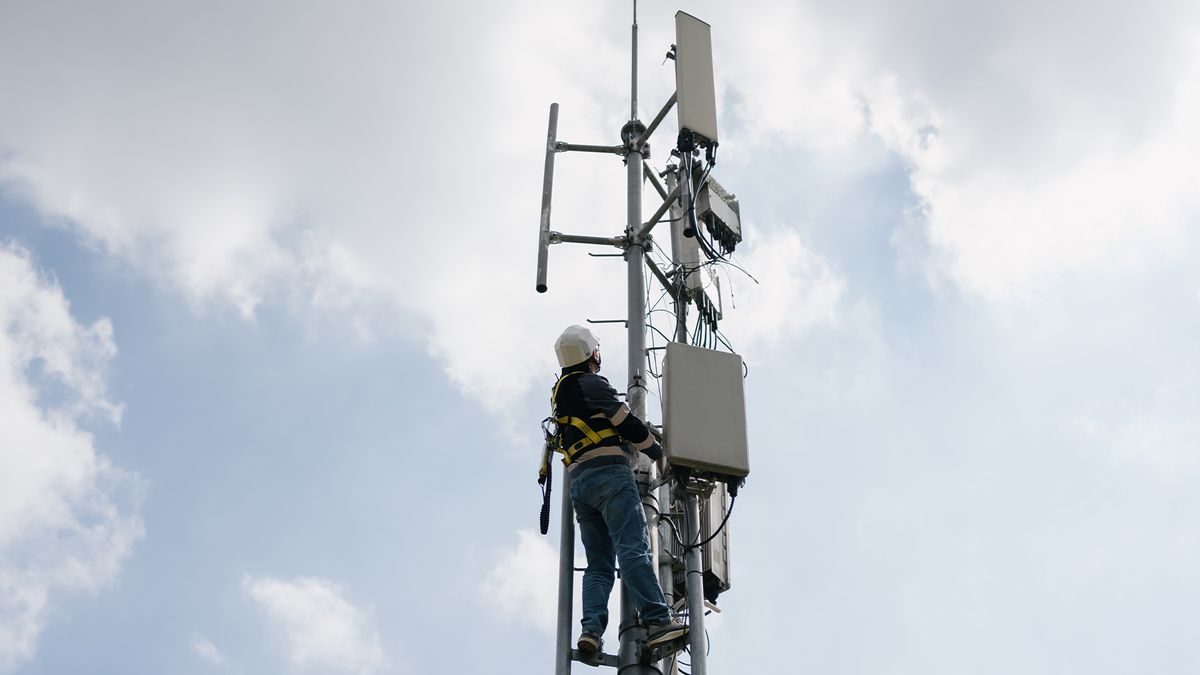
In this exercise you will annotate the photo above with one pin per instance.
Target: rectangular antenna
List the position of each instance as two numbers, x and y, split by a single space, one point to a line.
694 77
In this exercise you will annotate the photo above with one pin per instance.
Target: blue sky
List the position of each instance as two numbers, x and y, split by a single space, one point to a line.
271 362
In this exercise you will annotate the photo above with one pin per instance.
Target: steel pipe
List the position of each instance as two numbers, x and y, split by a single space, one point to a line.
603 149
547 189
566 578
560 238
641 142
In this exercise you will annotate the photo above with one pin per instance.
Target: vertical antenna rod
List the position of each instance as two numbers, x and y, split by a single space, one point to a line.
633 101
547 188
683 275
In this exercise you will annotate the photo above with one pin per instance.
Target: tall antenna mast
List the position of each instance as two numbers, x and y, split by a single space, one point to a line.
699 471
632 631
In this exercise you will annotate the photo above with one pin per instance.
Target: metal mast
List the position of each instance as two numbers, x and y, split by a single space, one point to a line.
683 492
632 633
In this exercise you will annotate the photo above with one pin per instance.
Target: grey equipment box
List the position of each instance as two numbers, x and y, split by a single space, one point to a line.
714 556
720 212
704 410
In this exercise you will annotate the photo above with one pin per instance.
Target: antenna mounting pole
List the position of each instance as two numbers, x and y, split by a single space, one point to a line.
633 634
632 657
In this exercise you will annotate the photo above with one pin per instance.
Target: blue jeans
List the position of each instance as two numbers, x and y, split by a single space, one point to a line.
612 525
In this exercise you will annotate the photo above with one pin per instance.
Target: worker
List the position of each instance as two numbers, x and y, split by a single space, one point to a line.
592 425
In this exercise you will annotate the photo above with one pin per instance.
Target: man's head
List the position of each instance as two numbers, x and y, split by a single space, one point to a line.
577 345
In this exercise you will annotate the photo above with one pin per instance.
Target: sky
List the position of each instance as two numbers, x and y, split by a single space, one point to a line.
272 364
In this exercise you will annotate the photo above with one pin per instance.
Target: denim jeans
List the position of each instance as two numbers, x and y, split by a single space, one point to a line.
612 525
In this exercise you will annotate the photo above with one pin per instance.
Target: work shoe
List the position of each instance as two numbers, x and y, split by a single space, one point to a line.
589 645
660 633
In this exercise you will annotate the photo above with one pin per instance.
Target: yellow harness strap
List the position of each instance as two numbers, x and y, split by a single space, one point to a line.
590 436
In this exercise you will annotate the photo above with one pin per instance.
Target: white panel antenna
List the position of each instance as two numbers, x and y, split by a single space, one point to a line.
694 78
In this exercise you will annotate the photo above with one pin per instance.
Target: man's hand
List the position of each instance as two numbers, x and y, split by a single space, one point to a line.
655 432
655 452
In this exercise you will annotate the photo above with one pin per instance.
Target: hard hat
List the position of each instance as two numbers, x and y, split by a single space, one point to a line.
575 346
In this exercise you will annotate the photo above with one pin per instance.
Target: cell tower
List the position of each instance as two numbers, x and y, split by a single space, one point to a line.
704 419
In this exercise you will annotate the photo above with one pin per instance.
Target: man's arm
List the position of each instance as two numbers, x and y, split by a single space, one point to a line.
636 432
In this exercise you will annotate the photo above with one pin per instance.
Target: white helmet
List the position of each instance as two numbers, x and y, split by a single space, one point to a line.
575 345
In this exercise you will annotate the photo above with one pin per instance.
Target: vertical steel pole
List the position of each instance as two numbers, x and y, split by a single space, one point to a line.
566 578
677 255
693 565
697 639
635 264
632 633
666 574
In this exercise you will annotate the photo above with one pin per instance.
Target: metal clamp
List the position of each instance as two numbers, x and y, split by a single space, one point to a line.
601 659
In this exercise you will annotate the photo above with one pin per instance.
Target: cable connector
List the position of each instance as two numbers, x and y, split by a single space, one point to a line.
733 484
687 141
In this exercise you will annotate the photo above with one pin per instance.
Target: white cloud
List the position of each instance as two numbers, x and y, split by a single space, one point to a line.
389 180
68 518
794 75
522 585
1038 159
1115 205
321 629
339 193
205 649
1170 445
1156 428
796 291
374 181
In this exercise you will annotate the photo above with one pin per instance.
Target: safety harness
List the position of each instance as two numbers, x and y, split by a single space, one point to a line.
553 427
590 438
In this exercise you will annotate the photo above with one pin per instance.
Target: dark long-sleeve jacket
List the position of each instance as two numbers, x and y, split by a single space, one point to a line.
587 396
